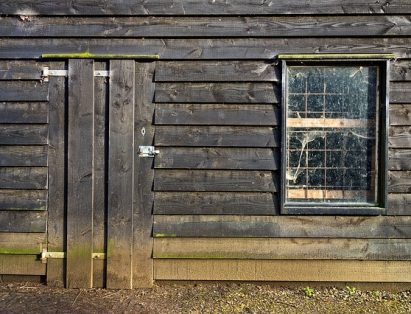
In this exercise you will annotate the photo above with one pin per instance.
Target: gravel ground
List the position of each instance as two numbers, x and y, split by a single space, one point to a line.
201 298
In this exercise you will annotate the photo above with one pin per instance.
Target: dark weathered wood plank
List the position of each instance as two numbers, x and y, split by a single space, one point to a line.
218 158
378 227
57 186
23 134
120 174
400 70
23 200
80 173
216 136
21 265
283 270
216 203
23 156
400 115
30 112
215 181
23 221
198 7
217 93
400 92
399 137
221 71
283 249
244 115
23 91
144 177
23 178
399 181
399 159
206 49
18 70
164 27
22 243
399 204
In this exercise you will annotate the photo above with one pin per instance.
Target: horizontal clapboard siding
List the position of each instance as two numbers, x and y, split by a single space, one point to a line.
23 134
23 178
23 221
23 156
23 199
29 112
277 249
23 91
215 203
198 7
203 49
22 243
19 70
378 227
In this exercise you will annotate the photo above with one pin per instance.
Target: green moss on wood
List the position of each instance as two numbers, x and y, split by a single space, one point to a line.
165 235
89 55
20 251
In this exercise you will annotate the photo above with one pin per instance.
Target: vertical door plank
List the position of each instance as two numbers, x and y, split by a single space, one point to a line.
120 174
144 177
80 173
56 202
99 179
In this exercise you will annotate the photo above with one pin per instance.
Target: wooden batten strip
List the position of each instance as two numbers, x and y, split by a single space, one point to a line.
280 249
283 270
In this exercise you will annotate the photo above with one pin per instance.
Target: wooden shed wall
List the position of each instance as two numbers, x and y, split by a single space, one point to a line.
216 116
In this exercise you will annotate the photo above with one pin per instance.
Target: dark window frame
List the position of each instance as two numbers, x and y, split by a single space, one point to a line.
383 115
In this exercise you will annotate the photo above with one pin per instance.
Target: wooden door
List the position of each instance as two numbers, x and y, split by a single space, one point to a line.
108 217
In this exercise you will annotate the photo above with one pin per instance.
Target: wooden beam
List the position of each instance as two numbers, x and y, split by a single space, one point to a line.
80 173
283 270
120 174
144 177
56 222
280 249
282 226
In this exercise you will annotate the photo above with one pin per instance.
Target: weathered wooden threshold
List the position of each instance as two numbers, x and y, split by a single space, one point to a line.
283 270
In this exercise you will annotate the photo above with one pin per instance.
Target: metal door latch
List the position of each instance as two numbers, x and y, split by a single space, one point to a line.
147 151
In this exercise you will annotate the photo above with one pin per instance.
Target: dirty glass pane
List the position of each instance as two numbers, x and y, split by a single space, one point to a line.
331 134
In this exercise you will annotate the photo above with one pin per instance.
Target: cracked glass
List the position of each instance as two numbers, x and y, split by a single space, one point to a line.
331 134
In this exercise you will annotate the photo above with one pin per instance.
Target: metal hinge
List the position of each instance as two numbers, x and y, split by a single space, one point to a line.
147 151
46 255
46 73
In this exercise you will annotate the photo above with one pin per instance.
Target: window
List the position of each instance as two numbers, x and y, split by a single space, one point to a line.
334 136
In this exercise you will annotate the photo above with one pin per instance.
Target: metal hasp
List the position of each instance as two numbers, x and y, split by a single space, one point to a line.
147 151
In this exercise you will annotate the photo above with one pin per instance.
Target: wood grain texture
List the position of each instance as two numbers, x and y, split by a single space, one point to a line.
21 265
378 227
198 7
217 93
215 136
399 159
280 249
18 70
399 181
23 112
164 27
205 49
283 270
120 174
23 134
23 91
400 70
80 173
23 221
144 177
239 115
220 71
399 137
215 181
399 204
217 158
56 223
400 115
30 178
22 243
400 92
23 156
215 203
23 199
